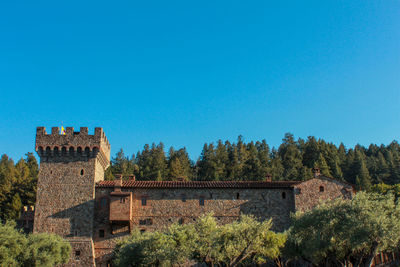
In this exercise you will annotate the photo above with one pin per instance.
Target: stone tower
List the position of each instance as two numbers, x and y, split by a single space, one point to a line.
70 166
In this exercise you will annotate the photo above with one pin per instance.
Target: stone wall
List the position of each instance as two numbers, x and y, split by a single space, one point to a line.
310 193
181 205
70 165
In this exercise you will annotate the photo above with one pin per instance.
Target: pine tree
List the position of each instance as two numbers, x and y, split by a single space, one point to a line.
363 179
322 165
291 158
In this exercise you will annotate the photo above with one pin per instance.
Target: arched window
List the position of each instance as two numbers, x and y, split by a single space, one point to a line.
79 151
71 150
87 151
63 151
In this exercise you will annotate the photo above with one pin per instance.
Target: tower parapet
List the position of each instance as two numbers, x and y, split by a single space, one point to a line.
72 145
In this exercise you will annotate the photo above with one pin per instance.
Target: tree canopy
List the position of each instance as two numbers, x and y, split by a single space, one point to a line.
346 231
17 249
245 240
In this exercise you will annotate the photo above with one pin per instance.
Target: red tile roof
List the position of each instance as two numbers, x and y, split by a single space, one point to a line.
201 184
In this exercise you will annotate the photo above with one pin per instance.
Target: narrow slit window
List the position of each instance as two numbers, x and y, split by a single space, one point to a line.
284 195
82 172
237 196
144 201
201 201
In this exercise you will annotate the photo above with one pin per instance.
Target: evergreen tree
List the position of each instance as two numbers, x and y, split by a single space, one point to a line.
291 158
363 179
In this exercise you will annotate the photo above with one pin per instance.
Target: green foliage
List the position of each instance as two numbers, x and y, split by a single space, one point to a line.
17 185
293 160
344 231
245 240
17 249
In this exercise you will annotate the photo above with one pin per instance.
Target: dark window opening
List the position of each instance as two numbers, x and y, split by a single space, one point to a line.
146 222
201 201
144 201
103 203
101 233
181 221
142 230
283 195
183 198
321 189
122 200
237 196
77 254
82 172
79 151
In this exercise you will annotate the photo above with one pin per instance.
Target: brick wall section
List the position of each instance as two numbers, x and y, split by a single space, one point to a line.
310 193
70 166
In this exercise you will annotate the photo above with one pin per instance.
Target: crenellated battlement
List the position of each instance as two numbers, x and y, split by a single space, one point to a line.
73 144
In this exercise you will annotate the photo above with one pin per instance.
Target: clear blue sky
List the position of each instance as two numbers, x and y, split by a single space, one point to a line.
190 72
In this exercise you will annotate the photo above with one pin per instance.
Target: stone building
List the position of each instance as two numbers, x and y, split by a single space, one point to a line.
74 201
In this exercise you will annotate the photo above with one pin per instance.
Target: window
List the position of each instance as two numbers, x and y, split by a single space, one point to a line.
146 222
82 172
77 254
321 189
283 195
101 233
201 201
103 203
237 196
142 231
183 198
181 221
144 201
122 200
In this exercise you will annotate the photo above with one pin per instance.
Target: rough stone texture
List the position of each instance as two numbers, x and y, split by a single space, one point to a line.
74 201
164 207
70 166
308 194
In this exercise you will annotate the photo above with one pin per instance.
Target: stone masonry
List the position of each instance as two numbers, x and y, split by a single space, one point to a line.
74 201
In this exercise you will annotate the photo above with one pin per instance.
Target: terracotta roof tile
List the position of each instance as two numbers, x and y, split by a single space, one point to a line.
201 184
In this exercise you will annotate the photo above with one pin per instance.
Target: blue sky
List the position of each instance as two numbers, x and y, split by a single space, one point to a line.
190 72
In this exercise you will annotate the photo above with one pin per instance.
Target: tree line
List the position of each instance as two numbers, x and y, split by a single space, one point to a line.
292 160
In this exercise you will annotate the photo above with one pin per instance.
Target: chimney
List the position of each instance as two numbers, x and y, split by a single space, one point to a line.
268 178
317 172
118 182
132 177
